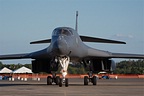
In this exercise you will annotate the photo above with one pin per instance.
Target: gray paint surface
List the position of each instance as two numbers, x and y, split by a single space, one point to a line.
65 41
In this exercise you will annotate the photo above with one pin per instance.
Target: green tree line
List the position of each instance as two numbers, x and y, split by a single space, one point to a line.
123 67
130 67
14 66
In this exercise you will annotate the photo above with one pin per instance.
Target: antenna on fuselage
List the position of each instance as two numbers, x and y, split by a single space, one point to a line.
76 26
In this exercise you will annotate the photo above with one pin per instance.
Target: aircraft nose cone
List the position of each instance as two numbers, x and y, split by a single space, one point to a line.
60 46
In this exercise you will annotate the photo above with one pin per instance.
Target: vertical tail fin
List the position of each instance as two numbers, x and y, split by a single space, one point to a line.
76 26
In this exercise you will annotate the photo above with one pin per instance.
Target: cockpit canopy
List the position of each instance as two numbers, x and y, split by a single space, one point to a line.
62 31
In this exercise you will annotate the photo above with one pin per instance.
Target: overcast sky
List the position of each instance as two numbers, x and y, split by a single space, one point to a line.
23 21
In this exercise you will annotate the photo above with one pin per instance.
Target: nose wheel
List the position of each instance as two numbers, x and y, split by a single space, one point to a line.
51 79
63 82
58 81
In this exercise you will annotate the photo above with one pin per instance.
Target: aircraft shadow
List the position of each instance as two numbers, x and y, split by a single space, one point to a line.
5 85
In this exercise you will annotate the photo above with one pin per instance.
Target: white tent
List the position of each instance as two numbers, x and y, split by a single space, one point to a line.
5 70
23 70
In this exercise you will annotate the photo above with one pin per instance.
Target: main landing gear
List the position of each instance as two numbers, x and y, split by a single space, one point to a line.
64 62
90 78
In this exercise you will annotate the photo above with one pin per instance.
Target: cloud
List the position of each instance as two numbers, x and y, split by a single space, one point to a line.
123 36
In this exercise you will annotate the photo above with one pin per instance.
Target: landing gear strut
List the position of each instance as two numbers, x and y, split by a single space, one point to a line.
90 78
64 62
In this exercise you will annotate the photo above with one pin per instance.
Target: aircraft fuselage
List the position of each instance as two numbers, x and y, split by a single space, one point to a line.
65 42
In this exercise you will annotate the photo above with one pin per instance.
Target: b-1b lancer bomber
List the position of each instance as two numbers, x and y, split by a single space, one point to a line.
66 46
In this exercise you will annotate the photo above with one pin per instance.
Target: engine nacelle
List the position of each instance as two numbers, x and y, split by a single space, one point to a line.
113 65
97 65
44 66
41 66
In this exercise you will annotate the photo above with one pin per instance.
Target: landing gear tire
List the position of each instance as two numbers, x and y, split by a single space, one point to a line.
57 80
49 80
60 82
66 82
85 80
94 80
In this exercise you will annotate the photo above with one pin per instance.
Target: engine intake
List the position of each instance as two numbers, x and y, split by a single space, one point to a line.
44 66
40 66
97 65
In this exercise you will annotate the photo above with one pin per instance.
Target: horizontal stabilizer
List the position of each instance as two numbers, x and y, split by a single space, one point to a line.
41 41
100 40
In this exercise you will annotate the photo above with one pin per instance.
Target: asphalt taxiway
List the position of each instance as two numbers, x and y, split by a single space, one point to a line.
111 87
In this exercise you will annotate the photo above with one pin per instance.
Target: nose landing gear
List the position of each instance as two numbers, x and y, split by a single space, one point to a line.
64 62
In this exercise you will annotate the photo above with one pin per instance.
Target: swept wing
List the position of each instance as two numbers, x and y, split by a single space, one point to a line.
41 41
124 55
99 40
14 56
94 53
84 39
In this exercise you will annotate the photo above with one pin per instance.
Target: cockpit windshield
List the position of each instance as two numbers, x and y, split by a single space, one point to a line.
62 31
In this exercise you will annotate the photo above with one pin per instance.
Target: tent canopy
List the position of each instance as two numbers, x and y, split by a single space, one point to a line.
23 70
5 70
